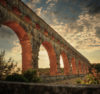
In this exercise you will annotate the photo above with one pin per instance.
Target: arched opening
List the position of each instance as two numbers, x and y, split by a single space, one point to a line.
52 57
61 66
25 44
65 64
9 43
43 63
74 69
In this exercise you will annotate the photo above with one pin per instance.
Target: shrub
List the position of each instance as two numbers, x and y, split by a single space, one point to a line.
7 67
16 78
78 81
31 75
89 79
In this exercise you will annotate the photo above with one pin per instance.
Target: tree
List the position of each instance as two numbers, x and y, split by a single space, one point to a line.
7 67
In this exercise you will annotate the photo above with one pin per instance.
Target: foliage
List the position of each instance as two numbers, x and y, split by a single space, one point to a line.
27 76
16 78
92 78
78 81
31 75
7 67
9 71
96 66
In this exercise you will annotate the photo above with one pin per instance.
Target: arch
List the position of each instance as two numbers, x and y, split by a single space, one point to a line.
66 64
25 44
80 67
52 57
74 69
43 62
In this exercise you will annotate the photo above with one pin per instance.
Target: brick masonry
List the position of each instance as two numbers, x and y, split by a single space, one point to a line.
32 32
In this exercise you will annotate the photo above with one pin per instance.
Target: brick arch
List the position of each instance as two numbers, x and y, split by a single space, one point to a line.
74 69
66 64
25 44
52 57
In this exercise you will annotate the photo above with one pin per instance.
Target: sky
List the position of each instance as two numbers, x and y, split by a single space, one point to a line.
77 21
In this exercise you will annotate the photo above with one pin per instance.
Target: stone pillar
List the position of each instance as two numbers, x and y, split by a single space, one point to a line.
26 55
58 63
80 67
35 53
74 68
87 69
70 64
77 65
84 69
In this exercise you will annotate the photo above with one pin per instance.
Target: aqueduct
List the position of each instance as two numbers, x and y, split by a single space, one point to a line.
32 31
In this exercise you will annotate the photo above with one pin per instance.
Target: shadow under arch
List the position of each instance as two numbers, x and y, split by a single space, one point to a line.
25 43
52 57
66 64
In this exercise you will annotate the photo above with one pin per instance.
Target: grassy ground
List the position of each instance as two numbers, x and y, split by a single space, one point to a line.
68 81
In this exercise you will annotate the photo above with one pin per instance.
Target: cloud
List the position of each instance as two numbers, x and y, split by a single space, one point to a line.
82 34
94 7
15 52
32 3
48 1
38 11
98 32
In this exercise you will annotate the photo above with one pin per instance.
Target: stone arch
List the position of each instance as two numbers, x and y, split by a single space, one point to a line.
25 44
73 63
80 67
52 57
66 64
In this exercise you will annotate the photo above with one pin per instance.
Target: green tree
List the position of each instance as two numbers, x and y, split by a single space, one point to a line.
7 67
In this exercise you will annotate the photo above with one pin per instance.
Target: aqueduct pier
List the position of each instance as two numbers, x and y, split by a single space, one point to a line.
32 32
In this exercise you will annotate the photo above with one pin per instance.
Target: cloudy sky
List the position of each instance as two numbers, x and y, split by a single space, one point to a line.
77 21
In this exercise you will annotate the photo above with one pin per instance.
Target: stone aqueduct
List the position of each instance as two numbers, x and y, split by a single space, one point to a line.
32 31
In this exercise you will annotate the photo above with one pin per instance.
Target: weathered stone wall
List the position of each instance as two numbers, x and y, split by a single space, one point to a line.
48 79
33 32
31 88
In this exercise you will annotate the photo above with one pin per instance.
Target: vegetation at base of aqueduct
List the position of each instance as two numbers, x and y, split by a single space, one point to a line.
10 72
93 77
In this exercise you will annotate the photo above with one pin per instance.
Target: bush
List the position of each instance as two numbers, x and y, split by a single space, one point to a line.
16 78
78 81
7 67
89 79
31 76
27 76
